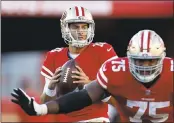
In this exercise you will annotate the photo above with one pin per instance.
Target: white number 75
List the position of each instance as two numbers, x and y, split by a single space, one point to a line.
152 110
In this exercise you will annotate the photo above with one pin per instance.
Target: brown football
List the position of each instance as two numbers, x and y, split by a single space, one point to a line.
66 81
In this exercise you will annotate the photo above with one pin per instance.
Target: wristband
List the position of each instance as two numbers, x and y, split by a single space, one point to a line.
50 93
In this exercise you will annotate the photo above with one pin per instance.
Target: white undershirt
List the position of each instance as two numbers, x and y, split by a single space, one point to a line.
73 56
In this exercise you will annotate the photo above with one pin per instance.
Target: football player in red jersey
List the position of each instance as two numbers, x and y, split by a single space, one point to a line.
77 27
141 83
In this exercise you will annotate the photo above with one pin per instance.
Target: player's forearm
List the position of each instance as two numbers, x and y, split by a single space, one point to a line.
67 103
70 102
76 100
45 98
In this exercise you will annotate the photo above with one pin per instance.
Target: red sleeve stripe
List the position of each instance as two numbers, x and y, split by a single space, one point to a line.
102 74
45 75
100 82
100 77
47 70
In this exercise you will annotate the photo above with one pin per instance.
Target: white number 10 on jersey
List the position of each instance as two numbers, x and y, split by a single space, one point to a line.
142 105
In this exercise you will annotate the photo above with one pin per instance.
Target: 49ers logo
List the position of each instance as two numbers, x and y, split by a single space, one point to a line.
145 55
81 18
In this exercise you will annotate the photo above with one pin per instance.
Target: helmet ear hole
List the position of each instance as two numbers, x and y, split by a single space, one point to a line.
88 25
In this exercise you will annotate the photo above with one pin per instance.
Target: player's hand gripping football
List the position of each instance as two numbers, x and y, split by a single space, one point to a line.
80 76
55 79
24 101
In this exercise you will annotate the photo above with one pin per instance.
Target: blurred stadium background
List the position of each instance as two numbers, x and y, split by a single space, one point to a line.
31 28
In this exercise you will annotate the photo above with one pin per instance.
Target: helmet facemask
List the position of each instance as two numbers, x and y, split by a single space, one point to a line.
145 73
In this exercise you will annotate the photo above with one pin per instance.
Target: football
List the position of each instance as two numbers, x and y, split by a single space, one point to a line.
66 81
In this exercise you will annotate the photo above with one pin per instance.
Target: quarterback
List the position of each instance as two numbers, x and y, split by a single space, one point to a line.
77 27
141 83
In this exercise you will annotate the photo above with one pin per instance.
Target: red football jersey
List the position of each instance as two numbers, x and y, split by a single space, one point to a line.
90 60
134 101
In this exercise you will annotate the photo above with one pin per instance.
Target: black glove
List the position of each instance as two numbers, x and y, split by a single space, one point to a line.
23 100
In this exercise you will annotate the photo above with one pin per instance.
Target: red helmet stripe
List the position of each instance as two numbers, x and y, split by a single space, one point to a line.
148 42
77 11
83 12
142 39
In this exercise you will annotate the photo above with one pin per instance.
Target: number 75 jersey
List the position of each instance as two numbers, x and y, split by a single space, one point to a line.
135 102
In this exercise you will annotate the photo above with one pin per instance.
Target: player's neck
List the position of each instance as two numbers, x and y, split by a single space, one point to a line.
76 50
150 84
